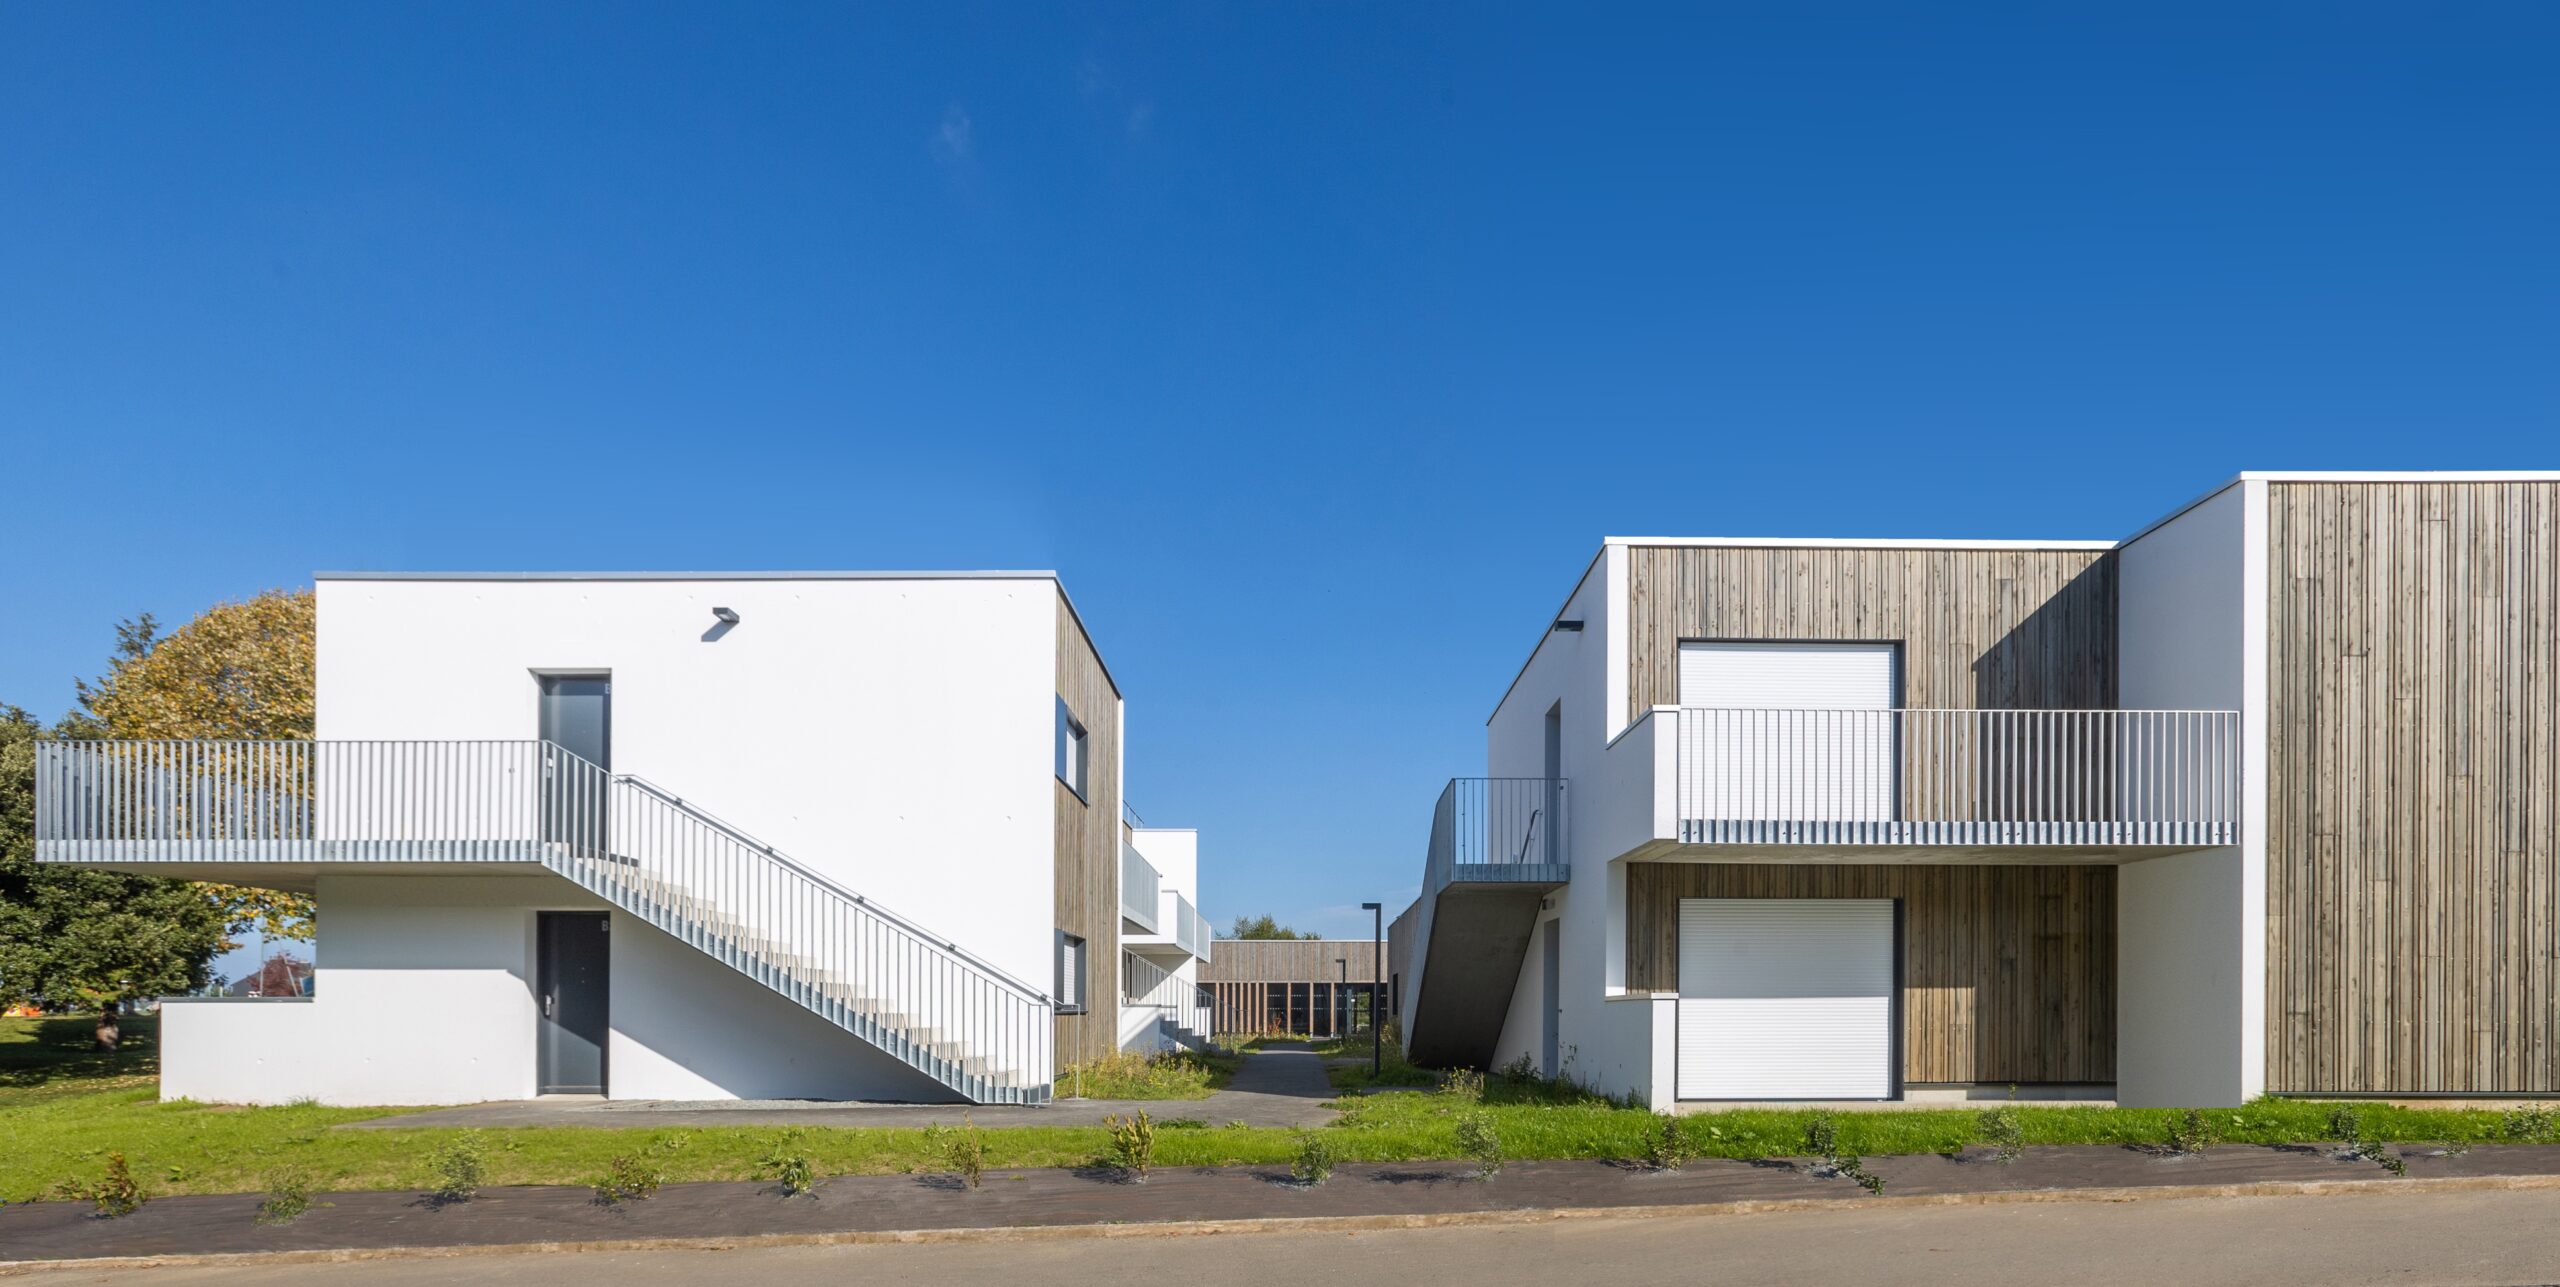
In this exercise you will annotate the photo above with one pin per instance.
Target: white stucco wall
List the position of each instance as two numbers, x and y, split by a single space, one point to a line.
894 734
425 995
1610 809
2191 928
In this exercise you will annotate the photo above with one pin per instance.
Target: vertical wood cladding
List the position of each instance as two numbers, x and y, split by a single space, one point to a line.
2008 973
1308 985
1087 833
2413 877
1981 629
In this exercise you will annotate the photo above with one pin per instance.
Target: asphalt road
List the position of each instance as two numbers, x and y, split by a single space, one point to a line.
2454 1238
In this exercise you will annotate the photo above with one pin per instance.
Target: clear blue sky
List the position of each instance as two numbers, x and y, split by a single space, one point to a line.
1317 346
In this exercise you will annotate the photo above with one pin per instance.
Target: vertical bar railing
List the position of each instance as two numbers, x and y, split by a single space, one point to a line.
1957 777
914 993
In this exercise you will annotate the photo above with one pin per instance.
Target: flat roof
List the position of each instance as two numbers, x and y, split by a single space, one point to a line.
1852 543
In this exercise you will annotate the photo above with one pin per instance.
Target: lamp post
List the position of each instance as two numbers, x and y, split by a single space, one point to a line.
1377 971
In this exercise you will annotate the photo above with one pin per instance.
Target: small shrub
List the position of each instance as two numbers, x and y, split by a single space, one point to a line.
1519 1070
2346 1125
1822 1136
460 1166
1133 1144
288 1195
1477 1139
2527 1124
1822 1140
1665 1148
114 1193
629 1178
1465 1084
2000 1128
962 1148
788 1166
2190 1132
1314 1163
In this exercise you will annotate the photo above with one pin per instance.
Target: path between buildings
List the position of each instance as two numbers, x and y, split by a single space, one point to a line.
1070 1204
1277 1086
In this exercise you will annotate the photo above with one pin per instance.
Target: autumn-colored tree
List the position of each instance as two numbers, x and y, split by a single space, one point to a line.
238 671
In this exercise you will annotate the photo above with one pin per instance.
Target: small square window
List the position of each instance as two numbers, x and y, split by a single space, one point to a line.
1073 758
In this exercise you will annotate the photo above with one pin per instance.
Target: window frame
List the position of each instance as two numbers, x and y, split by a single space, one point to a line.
1074 750
1074 965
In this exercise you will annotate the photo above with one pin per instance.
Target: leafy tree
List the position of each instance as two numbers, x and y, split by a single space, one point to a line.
1264 927
73 935
238 671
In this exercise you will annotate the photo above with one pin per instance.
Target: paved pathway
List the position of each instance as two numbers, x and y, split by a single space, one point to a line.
2452 1238
1277 1086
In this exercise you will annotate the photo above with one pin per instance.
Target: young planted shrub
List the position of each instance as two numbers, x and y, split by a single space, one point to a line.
1822 1140
459 1167
629 1178
1478 1140
1314 1163
113 1193
2346 1125
2001 1129
2190 1133
2527 1125
962 1148
789 1166
1133 1144
288 1195
1665 1148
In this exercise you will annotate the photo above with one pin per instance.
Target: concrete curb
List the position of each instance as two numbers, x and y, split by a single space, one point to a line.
1320 1224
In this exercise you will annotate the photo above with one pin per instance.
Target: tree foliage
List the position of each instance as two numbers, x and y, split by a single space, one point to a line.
1264 927
72 935
238 671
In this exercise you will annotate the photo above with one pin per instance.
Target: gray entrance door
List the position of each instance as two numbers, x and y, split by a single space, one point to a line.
575 1002
577 717
1551 971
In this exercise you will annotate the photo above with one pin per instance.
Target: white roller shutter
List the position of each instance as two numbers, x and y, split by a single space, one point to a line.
1786 998
1805 731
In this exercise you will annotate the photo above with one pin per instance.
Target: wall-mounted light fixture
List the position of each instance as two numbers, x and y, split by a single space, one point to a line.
1567 627
727 616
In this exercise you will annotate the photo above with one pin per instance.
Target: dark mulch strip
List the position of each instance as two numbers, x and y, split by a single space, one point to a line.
884 1203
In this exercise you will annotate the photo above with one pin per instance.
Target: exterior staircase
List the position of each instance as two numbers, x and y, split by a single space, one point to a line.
1497 849
916 996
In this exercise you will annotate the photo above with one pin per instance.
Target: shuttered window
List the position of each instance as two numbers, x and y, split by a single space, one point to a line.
1806 731
1786 998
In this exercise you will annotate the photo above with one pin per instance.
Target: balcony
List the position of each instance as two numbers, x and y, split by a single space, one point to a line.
1141 891
1180 930
2151 780
1498 831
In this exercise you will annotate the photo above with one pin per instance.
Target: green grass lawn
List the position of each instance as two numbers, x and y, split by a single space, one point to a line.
1177 1074
62 1110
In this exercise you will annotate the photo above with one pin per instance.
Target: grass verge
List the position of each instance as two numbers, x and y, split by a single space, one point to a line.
62 1111
1177 1074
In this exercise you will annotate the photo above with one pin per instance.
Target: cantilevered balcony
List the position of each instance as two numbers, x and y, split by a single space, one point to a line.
1180 930
1141 892
2098 780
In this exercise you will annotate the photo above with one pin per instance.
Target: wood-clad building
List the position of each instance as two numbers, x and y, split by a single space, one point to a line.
2413 819
2260 798
2006 972
1088 848
1304 987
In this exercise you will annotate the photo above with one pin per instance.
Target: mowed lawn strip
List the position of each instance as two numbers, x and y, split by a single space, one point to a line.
62 1110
